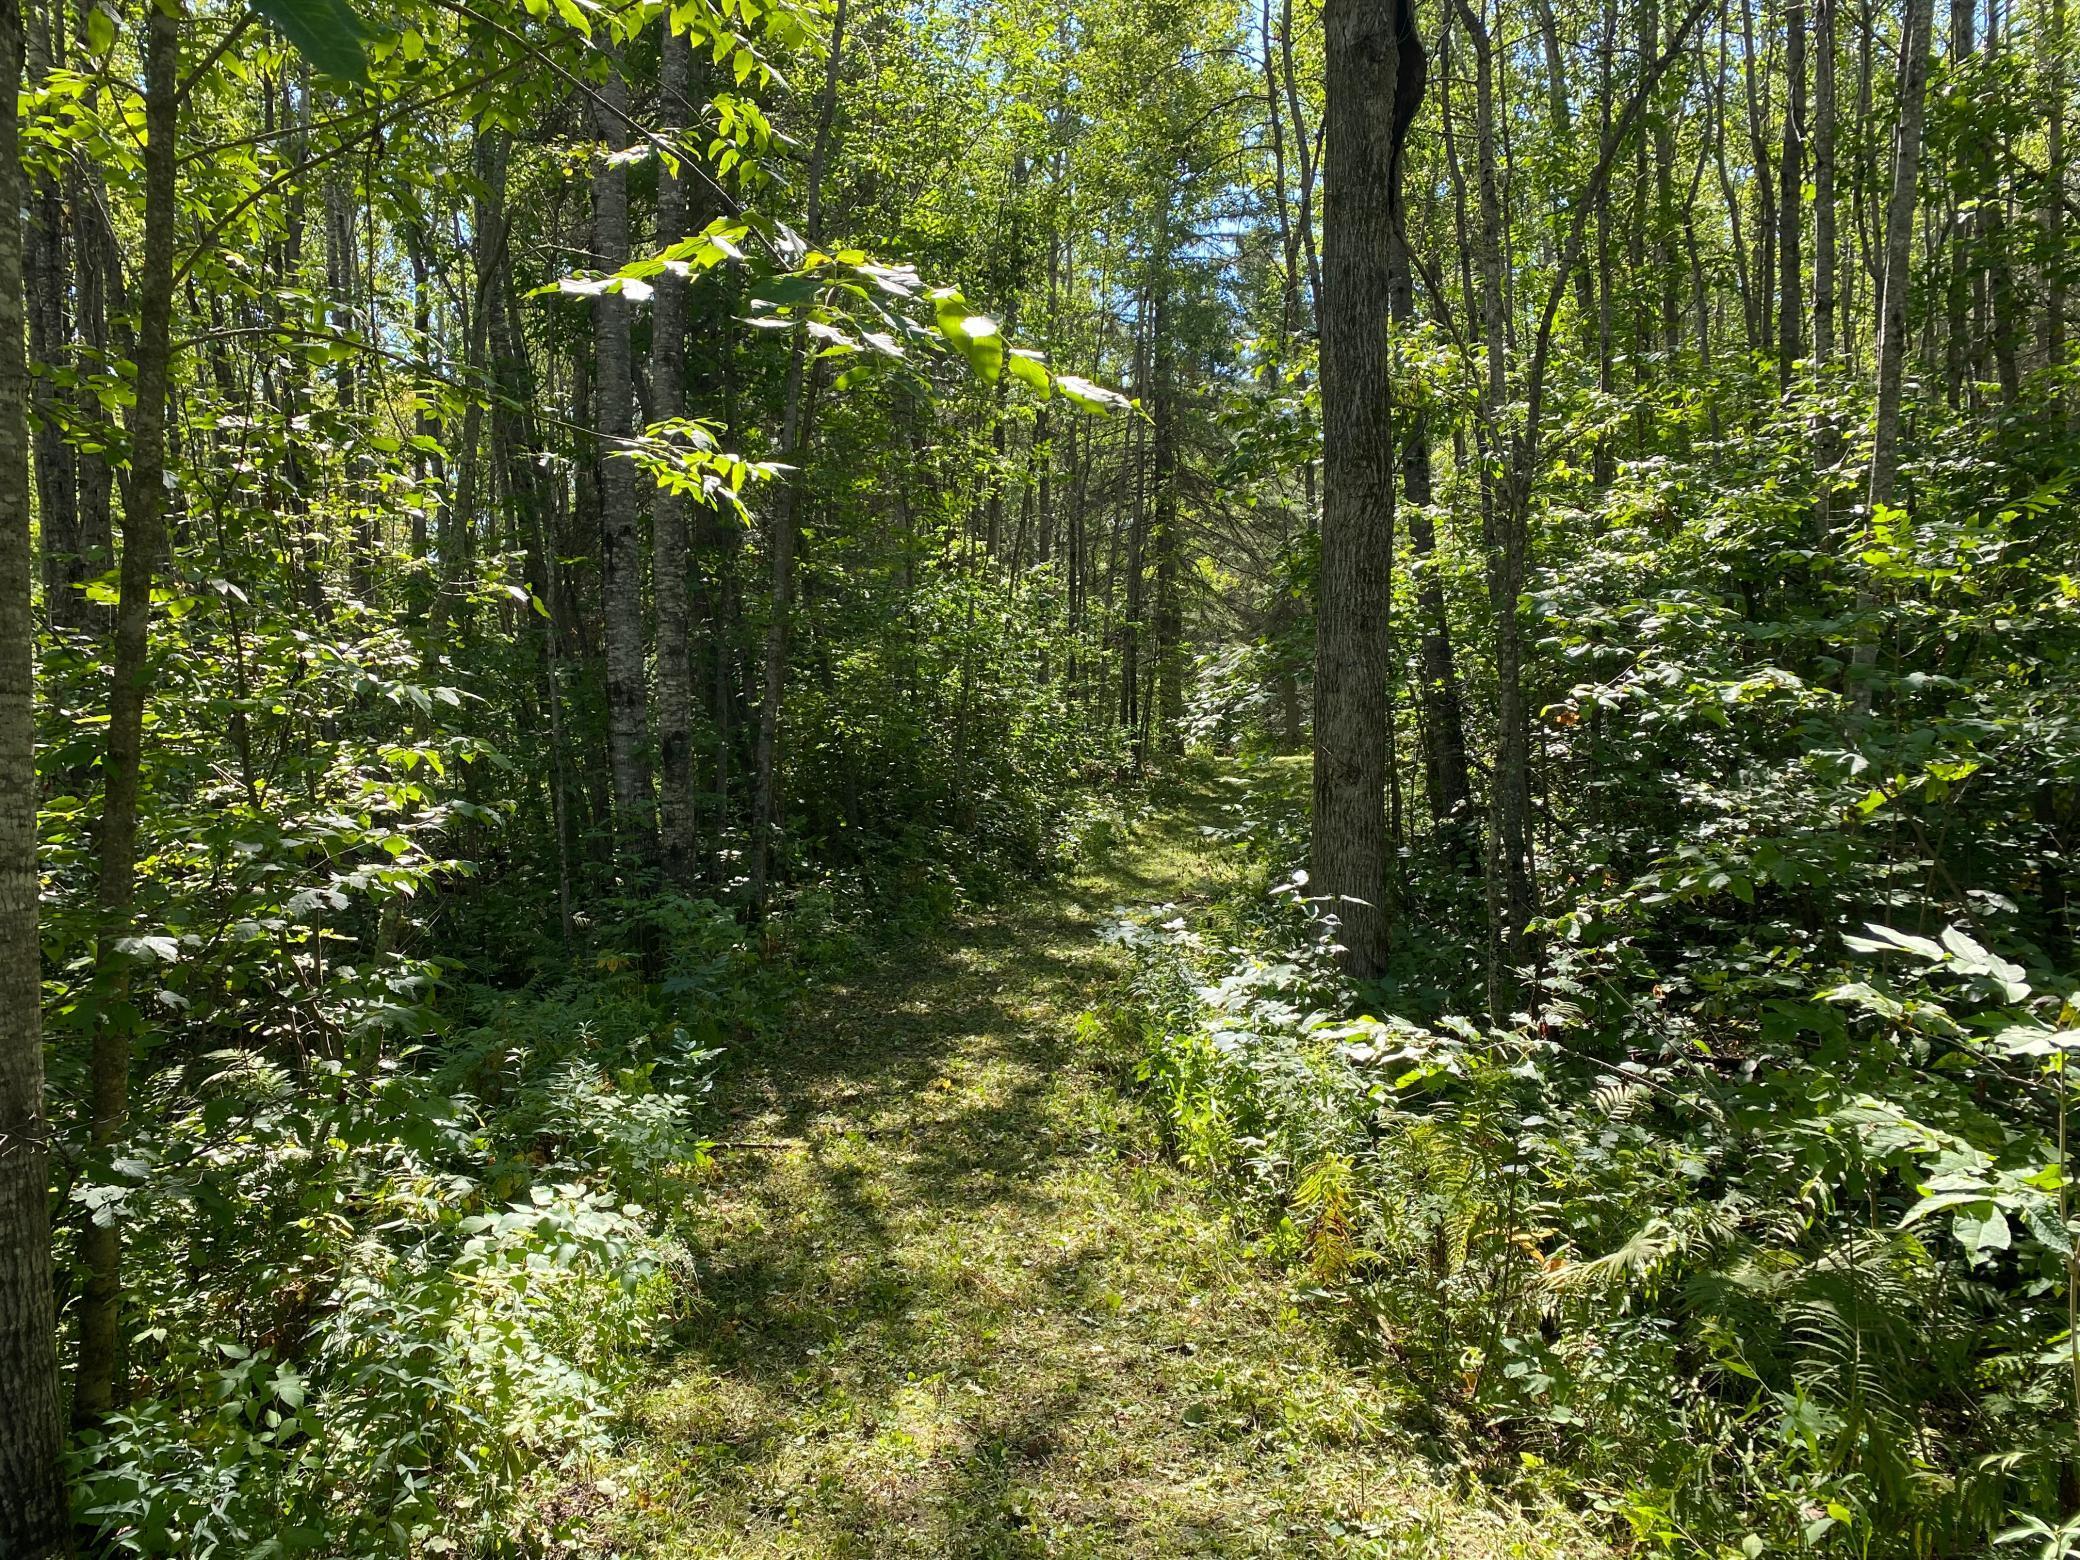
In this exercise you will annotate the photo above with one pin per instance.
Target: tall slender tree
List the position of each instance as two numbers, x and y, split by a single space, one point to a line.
1791 171
621 540
785 522
97 1381
1827 451
32 1497
1898 256
1348 853
668 328
1894 282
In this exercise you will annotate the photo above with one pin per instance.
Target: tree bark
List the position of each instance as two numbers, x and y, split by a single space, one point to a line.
1765 185
65 565
1509 872
1899 238
1997 282
342 283
1827 448
668 512
2055 202
96 1385
621 543
1348 854
1892 309
1166 622
1791 172
1130 628
1958 344
97 279
1603 460
1288 234
1445 777
32 1492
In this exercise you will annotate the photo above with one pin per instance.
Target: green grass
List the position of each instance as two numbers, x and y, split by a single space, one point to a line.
954 1302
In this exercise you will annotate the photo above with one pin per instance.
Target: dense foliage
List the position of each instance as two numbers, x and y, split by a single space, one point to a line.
1752 1213
555 524
382 1077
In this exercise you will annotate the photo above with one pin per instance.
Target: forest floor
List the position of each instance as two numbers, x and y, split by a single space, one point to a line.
955 1302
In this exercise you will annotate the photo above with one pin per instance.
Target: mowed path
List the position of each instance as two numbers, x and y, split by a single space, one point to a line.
961 1306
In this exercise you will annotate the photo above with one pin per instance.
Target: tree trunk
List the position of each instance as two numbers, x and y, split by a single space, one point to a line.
1997 282
1304 154
65 565
1827 447
668 511
1444 725
1137 535
621 543
2055 201
1790 199
1898 258
97 278
342 282
794 438
1892 315
1765 186
429 471
1504 518
1166 624
1288 234
1603 461
1958 345
1665 222
517 450
1348 856
95 1388
32 1493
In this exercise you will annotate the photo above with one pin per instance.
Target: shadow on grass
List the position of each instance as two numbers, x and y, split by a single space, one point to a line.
895 1236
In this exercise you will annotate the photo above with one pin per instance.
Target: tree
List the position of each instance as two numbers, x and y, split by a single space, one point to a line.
786 521
621 545
674 677
1894 282
97 1383
33 1516
1348 853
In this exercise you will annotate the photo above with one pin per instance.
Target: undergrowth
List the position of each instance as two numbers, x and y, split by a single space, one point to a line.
1804 1288
384 1290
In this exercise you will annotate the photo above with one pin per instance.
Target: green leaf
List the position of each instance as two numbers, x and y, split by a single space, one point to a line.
788 291
1862 994
1089 397
982 344
1885 940
949 308
1977 1233
2029 1040
1030 368
1937 1202
328 33
288 1386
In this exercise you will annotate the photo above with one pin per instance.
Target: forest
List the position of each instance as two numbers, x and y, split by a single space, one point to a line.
977 778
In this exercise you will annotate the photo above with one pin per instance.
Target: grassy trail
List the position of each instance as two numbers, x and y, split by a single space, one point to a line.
959 1305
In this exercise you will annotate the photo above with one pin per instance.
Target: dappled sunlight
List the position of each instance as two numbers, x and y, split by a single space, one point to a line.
952 1300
